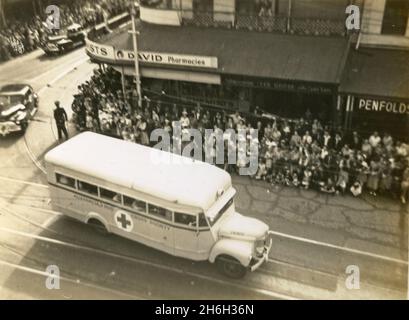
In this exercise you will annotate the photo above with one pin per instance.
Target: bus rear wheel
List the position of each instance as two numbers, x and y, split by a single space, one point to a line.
230 267
98 226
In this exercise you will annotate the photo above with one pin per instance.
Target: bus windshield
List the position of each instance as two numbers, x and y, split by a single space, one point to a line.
214 218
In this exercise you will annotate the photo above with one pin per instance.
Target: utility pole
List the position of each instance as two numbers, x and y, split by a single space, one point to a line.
135 51
3 21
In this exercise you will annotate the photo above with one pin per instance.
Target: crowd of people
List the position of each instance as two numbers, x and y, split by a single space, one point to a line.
301 153
20 37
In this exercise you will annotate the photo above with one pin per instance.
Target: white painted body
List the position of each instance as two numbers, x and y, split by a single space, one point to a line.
196 189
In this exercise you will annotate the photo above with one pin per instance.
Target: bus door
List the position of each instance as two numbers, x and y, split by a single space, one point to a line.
185 234
206 238
161 230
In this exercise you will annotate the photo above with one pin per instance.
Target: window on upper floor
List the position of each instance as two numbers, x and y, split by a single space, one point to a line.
203 6
395 17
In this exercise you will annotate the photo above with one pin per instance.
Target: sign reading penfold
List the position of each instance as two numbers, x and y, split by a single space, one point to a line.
375 105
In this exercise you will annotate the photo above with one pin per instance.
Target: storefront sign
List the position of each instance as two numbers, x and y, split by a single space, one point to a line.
278 85
168 59
375 105
100 51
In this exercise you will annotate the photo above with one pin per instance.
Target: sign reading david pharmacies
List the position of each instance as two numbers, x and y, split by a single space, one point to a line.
378 105
168 59
99 51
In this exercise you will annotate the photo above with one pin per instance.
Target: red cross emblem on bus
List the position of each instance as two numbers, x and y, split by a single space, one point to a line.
124 221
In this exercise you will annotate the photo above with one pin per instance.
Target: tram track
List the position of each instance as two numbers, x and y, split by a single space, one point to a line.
254 281
264 271
139 261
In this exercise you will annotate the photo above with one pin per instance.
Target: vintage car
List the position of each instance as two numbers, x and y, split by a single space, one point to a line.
18 105
57 44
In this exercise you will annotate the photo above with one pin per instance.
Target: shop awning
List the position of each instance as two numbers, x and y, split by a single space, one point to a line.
377 73
245 53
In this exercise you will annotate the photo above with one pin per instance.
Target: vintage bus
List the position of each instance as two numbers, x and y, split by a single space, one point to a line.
182 207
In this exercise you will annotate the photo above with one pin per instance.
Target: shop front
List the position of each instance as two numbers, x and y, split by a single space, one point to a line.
382 114
288 99
277 73
375 90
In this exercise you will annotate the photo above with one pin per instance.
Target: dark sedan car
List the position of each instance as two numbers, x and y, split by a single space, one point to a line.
18 105
73 37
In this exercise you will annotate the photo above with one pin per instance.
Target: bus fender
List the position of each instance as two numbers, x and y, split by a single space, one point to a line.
96 216
240 250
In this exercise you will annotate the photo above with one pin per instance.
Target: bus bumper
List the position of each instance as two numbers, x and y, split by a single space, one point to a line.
257 262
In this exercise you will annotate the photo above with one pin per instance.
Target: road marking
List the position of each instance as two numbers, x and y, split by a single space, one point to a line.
333 246
276 233
49 221
148 263
72 60
77 282
63 74
21 206
32 157
40 185
60 76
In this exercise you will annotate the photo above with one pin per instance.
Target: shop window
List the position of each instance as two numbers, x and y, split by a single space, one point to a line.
203 6
159 4
245 7
395 18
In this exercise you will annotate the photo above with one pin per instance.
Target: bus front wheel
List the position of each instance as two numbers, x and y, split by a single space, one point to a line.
98 226
230 267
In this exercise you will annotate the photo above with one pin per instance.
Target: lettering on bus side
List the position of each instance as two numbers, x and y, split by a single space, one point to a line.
93 201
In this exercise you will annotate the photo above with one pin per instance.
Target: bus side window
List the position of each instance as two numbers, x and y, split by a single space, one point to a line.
185 219
160 212
66 181
87 187
110 195
135 204
202 220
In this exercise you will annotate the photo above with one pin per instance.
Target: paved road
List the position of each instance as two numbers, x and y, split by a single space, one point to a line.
316 236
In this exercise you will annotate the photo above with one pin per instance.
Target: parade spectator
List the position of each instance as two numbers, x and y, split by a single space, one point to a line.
405 186
20 37
374 140
294 153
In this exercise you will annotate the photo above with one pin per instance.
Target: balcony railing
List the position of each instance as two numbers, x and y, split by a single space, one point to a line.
277 24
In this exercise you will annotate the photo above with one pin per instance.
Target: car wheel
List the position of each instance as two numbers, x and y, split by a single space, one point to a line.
230 267
24 126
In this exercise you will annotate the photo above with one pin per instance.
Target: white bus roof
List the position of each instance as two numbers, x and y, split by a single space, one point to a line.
179 180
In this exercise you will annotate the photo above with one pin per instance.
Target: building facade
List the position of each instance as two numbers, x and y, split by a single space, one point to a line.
375 84
287 57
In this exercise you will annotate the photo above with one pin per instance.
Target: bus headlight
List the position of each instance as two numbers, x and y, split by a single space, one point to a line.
259 247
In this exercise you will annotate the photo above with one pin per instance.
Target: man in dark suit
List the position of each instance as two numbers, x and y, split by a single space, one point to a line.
60 117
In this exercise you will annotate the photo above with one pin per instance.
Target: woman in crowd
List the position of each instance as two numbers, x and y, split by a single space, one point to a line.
295 153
